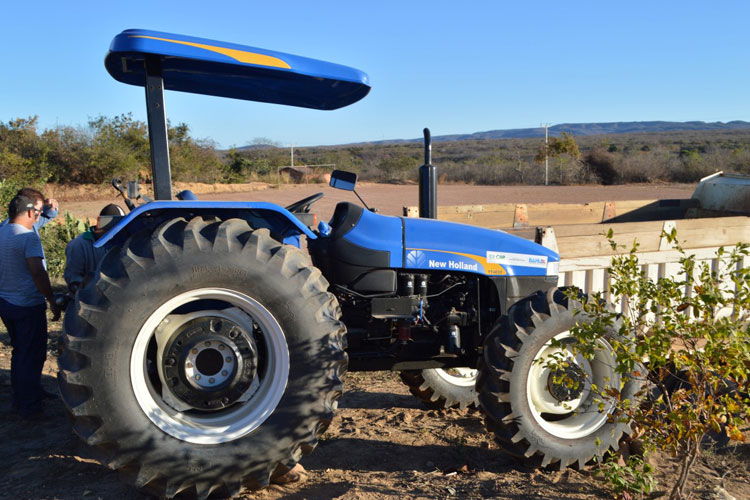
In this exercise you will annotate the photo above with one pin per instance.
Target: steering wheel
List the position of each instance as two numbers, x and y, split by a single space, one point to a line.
303 205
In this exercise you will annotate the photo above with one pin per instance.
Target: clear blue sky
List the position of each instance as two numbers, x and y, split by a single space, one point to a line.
456 67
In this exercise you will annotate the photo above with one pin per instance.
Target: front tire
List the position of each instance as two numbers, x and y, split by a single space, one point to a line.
440 388
204 357
534 415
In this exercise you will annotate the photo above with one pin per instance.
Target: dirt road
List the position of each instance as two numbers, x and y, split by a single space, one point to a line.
390 198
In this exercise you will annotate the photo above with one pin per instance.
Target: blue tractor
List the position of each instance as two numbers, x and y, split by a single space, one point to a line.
207 352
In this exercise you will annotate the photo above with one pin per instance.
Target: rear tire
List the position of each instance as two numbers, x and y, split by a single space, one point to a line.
440 388
204 357
533 418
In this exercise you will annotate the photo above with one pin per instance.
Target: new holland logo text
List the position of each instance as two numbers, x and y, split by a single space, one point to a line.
452 264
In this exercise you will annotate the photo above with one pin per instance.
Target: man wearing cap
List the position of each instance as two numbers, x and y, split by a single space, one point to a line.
24 286
49 208
81 257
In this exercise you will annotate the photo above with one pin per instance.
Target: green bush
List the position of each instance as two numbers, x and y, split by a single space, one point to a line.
696 345
9 186
55 236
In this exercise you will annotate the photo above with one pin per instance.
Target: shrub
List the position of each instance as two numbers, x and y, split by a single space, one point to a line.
602 165
9 186
55 236
696 347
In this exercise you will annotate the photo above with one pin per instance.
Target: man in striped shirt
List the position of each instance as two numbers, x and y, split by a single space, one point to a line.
24 286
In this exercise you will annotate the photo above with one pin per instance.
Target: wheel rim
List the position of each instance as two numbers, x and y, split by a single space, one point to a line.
579 415
253 371
464 377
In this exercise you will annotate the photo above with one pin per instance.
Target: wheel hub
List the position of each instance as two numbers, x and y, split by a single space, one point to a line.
207 367
208 363
566 384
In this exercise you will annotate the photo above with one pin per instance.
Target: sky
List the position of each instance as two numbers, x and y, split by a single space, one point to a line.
456 67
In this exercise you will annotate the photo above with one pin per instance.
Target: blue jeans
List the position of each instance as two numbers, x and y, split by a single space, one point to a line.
27 327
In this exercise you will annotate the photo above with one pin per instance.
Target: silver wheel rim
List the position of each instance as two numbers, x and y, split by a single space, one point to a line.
462 377
580 416
240 419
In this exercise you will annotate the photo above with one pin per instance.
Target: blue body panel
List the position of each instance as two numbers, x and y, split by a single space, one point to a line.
210 67
291 230
435 244
379 232
417 244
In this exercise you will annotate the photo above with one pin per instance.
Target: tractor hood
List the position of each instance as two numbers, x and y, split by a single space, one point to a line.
446 246
429 244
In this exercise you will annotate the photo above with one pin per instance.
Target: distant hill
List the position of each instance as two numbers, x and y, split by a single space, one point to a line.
583 129
577 129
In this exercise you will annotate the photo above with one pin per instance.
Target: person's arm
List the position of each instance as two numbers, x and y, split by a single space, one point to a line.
41 280
49 212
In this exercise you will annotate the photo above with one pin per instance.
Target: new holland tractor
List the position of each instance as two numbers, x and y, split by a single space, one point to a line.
208 351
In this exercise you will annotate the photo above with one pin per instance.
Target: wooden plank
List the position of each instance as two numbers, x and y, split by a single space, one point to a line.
566 230
579 240
490 220
590 246
541 214
645 258
551 214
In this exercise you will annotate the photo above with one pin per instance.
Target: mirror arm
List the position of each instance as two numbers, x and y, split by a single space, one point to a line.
360 199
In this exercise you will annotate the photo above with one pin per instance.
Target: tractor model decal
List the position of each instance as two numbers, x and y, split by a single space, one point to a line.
517 259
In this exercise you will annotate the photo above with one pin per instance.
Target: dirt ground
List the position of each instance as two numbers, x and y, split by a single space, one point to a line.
383 443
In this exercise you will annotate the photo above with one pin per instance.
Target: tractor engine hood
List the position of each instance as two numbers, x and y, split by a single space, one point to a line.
448 246
429 244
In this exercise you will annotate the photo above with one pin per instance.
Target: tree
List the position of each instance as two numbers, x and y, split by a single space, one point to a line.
119 148
557 148
22 152
397 167
241 167
193 160
69 153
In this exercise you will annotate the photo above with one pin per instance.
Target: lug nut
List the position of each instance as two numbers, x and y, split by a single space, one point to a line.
228 359
207 343
224 373
197 377
194 350
211 380
189 365
221 347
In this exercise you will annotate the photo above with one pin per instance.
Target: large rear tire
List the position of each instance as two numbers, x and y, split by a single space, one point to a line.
204 357
440 388
535 414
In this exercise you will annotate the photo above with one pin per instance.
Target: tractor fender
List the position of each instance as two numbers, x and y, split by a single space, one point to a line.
275 217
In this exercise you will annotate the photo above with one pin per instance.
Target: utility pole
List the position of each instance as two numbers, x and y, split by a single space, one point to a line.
291 150
546 151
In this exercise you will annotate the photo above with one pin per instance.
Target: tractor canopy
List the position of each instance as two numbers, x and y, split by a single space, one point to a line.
201 66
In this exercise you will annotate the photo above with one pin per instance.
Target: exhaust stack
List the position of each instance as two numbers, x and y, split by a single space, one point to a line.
427 182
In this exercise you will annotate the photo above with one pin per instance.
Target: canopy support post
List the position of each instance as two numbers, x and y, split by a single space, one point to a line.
157 130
